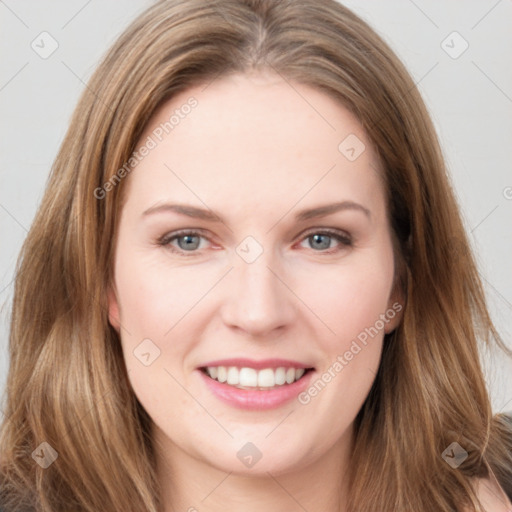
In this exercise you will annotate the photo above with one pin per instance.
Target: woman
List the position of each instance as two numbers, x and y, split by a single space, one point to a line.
313 332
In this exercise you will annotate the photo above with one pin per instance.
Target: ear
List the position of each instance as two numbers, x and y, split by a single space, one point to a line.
113 309
396 306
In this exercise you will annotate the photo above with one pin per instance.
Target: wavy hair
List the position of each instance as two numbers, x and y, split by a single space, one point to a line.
67 384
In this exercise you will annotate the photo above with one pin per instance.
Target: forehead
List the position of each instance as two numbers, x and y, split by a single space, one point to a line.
254 138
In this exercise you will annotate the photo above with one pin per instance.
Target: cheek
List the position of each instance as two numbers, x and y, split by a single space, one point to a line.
149 308
353 306
153 297
159 305
350 299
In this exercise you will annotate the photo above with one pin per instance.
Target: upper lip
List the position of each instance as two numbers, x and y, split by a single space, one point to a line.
257 365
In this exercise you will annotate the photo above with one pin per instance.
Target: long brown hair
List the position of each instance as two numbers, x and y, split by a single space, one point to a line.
67 384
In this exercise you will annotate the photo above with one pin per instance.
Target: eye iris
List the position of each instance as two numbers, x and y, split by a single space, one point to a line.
321 238
189 244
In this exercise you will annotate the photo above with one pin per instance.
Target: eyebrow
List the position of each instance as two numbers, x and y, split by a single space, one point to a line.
210 215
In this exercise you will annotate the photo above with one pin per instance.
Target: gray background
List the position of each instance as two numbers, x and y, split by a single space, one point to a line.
469 96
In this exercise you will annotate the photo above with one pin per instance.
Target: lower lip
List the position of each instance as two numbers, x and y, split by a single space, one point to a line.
256 399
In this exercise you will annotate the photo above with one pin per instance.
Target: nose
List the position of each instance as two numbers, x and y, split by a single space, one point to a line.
258 300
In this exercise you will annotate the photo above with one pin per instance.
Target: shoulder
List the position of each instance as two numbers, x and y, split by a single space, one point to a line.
492 496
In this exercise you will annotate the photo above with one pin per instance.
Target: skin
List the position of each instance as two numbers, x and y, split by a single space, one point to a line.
492 496
256 150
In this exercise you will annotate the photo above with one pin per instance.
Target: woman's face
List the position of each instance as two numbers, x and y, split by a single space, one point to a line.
232 261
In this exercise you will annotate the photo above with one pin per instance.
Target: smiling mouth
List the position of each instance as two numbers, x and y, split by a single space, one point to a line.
252 379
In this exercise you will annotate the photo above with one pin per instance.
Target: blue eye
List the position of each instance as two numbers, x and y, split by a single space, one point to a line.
187 241
190 242
322 239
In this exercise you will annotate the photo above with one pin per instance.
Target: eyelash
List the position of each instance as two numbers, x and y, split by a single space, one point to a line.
165 241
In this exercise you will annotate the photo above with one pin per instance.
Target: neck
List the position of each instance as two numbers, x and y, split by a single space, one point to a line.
192 485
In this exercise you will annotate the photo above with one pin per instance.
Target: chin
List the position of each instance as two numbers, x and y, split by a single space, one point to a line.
259 459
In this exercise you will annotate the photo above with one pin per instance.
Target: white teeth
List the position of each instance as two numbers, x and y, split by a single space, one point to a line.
248 377
222 374
251 378
280 376
232 375
266 378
